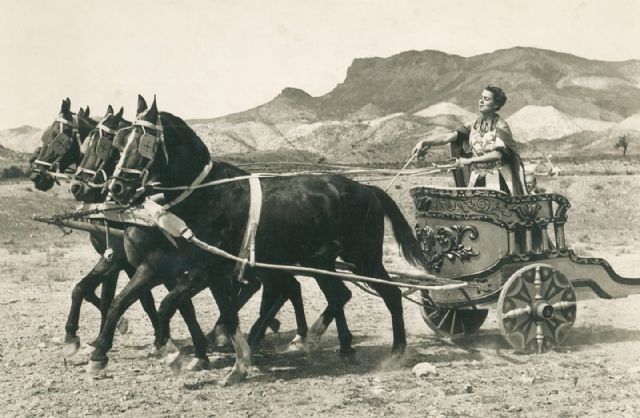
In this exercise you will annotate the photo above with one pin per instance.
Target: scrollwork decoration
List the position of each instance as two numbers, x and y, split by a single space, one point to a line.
446 242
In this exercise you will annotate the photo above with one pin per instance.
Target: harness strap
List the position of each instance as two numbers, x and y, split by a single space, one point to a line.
203 174
248 247
105 129
158 127
43 163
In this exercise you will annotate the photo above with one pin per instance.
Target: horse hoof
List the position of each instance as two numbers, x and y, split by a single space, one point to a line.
222 340
96 366
154 352
171 359
198 364
168 348
71 347
86 351
123 326
297 344
275 325
236 376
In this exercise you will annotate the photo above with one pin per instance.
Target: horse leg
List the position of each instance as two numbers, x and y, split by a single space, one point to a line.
337 295
392 297
294 294
218 335
226 297
270 304
143 280
147 301
179 298
107 293
83 290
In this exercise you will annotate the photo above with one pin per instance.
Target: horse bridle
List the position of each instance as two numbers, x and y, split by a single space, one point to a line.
61 143
106 133
151 145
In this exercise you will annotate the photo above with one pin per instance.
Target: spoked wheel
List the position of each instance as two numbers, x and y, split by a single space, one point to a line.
452 323
536 308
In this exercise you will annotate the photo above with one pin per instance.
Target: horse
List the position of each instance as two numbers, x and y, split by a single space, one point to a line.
99 161
306 220
162 249
54 155
61 143
86 189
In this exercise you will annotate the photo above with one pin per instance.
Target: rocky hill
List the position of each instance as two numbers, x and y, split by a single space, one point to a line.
23 139
384 105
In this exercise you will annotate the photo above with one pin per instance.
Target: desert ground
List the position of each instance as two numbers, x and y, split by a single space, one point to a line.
595 372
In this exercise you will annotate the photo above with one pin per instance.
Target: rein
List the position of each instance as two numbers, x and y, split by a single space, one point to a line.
300 173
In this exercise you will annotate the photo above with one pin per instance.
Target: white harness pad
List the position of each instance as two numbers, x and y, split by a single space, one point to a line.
248 247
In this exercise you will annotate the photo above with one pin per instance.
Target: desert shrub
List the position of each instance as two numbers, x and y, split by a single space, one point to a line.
13 172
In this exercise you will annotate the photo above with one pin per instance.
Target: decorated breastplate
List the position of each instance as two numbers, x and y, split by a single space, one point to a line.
482 143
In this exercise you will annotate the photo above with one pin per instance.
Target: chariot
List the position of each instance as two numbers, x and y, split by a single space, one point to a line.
510 251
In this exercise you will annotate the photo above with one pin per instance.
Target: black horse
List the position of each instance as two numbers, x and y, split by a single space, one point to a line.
62 148
158 250
305 220
61 143
93 170
99 161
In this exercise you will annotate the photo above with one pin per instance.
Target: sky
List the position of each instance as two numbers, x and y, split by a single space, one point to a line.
210 58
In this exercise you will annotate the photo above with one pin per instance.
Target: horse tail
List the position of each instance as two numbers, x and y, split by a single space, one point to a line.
402 232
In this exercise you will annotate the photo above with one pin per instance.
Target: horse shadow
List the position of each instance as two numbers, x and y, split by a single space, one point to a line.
273 362
584 336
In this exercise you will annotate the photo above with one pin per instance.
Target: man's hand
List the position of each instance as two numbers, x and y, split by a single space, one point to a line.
420 149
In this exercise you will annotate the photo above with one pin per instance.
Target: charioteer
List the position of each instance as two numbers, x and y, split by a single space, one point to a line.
485 151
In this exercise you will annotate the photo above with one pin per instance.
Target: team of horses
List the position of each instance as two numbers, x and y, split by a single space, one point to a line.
306 220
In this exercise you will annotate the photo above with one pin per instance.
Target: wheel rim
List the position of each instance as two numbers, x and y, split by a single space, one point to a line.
536 309
452 323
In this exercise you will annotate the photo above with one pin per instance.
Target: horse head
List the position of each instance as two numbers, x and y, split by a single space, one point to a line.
100 158
160 148
138 146
61 143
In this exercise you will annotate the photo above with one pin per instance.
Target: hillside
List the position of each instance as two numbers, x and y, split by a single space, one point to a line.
384 105
23 139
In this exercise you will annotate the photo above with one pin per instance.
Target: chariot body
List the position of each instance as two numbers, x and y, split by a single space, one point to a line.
510 251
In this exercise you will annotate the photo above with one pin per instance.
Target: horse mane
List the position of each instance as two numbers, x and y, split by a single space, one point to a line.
183 143
177 127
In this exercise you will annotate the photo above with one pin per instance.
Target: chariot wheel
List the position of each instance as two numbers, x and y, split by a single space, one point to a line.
452 323
536 308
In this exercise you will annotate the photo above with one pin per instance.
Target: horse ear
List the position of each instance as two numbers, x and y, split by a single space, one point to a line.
81 113
109 110
142 105
87 111
65 108
153 112
120 112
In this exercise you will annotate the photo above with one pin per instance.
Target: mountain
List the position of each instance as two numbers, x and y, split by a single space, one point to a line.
23 139
445 108
545 122
384 105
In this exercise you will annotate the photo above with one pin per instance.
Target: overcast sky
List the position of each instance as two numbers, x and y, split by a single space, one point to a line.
210 58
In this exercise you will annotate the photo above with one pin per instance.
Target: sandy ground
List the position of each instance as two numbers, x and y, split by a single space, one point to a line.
595 372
